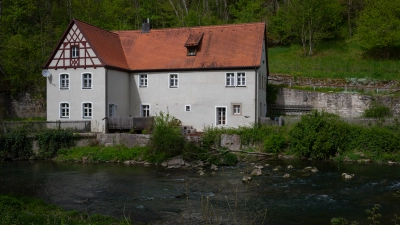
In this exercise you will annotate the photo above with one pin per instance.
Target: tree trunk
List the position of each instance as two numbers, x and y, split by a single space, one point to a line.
173 6
0 7
310 38
349 5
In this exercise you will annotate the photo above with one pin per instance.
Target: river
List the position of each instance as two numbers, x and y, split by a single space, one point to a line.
154 195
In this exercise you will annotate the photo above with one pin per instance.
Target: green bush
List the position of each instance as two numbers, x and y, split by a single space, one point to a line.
274 143
50 141
166 140
377 111
15 145
319 135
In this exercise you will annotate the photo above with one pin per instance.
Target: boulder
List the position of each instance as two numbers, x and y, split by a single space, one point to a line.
258 167
256 172
164 164
201 172
347 176
214 167
290 167
246 179
286 175
314 170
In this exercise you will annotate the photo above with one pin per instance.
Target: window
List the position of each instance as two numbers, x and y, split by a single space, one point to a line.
191 51
111 109
142 80
188 108
64 110
87 81
75 52
145 110
241 79
173 80
87 110
237 109
64 81
220 116
230 79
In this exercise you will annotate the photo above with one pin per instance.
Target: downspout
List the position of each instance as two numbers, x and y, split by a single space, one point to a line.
256 93
106 106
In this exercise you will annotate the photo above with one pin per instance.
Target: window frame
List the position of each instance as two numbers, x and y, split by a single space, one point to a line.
84 116
234 111
217 116
191 51
114 109
145 78
66 79
89 79
170 79
74 51
68 110
142 110
231 79
241 80
188 107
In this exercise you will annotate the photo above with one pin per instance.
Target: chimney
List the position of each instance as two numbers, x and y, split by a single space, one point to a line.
146 26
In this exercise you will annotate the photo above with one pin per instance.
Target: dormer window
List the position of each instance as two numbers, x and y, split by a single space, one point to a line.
191 51
193 43
75 52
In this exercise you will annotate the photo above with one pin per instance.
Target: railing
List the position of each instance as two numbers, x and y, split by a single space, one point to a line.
290 120
34 126
129 123
289 108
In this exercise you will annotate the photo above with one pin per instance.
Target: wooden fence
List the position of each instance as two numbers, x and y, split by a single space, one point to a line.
129 123
35 126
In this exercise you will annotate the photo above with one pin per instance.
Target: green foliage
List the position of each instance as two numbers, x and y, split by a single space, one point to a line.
319 135
309 21
15 145
339 221
101 153
377 111
274 143
166 140
50 141
272 93
222 157
373 214
20 210
378 27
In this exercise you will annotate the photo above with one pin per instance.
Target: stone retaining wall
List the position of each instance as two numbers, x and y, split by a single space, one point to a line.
343 104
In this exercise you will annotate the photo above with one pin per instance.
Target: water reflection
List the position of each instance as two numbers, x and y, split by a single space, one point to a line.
158 196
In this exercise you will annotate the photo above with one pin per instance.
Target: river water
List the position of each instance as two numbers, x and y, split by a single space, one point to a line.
154 195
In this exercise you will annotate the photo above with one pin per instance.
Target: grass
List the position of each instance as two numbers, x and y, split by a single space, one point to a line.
23 210
100 153
333 59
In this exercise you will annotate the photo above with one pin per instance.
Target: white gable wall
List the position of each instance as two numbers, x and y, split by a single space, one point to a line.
203 91
75 96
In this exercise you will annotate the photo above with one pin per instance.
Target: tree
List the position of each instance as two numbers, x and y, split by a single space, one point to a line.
379 27
310 21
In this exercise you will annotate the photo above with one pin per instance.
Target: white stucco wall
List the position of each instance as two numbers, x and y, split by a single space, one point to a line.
75 96
203 91
262 84
118 92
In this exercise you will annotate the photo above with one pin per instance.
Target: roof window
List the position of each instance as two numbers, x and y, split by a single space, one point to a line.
193 42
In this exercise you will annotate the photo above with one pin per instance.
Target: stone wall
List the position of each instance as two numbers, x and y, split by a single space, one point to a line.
129 140
25 106
343 104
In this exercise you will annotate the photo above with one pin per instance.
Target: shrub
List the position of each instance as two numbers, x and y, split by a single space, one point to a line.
274 143
167 140
50 141
15 145
319 135
377 111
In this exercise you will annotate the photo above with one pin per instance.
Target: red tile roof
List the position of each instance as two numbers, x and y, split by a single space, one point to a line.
226 46
105 44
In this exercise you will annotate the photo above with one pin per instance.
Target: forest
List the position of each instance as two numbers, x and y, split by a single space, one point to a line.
30 29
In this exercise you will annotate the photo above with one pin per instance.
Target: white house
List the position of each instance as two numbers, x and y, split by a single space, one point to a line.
204 76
